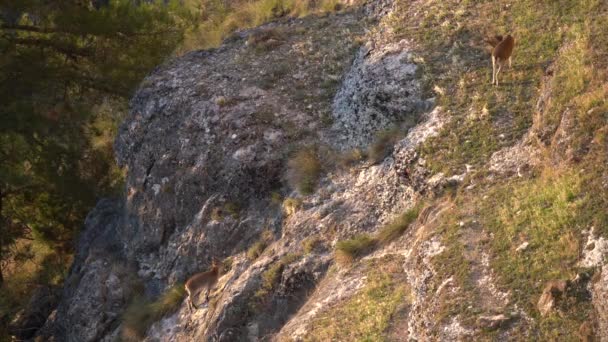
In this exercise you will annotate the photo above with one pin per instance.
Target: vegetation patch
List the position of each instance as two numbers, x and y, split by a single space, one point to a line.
291 205
549 213
543 212
141 313
311 243
30 263
218 19
304 170
226 265
270 278
349 250
259 246
227 209
367 315
396 228
266 39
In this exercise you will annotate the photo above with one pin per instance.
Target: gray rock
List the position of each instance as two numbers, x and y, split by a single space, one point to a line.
207 132
380 90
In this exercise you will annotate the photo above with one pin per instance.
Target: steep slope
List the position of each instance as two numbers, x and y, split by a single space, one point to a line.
478 204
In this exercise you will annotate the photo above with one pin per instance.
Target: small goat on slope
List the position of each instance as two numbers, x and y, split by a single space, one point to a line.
501 52
202 281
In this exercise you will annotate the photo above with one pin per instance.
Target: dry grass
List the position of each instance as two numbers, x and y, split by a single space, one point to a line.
349 250
291 205
304 170
217 20
259 246
396 228
366 316
269 279
266 39
311 244
141 313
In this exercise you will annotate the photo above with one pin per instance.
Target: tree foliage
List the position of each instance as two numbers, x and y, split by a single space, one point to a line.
67 69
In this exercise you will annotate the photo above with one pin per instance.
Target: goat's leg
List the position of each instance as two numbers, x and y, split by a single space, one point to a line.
207 295
188 299
493 68
510 63
497 72
192 299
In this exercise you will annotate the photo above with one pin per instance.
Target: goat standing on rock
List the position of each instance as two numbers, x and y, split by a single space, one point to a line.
501 52
202 281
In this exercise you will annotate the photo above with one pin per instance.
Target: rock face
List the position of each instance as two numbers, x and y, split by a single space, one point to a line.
205 146
99 284
379 90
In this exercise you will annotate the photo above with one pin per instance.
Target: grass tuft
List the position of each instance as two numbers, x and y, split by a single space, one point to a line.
396 228
291 205
266 39
348 250
304 170
142 313
311 243
270 278
259 246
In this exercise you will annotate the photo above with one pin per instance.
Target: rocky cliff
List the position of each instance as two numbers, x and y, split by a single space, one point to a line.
207 148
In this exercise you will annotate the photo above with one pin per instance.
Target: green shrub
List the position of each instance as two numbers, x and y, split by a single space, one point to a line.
142 313
310 244
394 229
216 214
256 250
270 278
348 250
259 246
169 301
136 319
304 170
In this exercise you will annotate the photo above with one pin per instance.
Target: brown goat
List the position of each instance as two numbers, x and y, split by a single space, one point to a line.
202 281
501 53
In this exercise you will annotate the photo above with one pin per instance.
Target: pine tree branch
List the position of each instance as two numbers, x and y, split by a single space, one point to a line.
120 34
28 28
68 50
